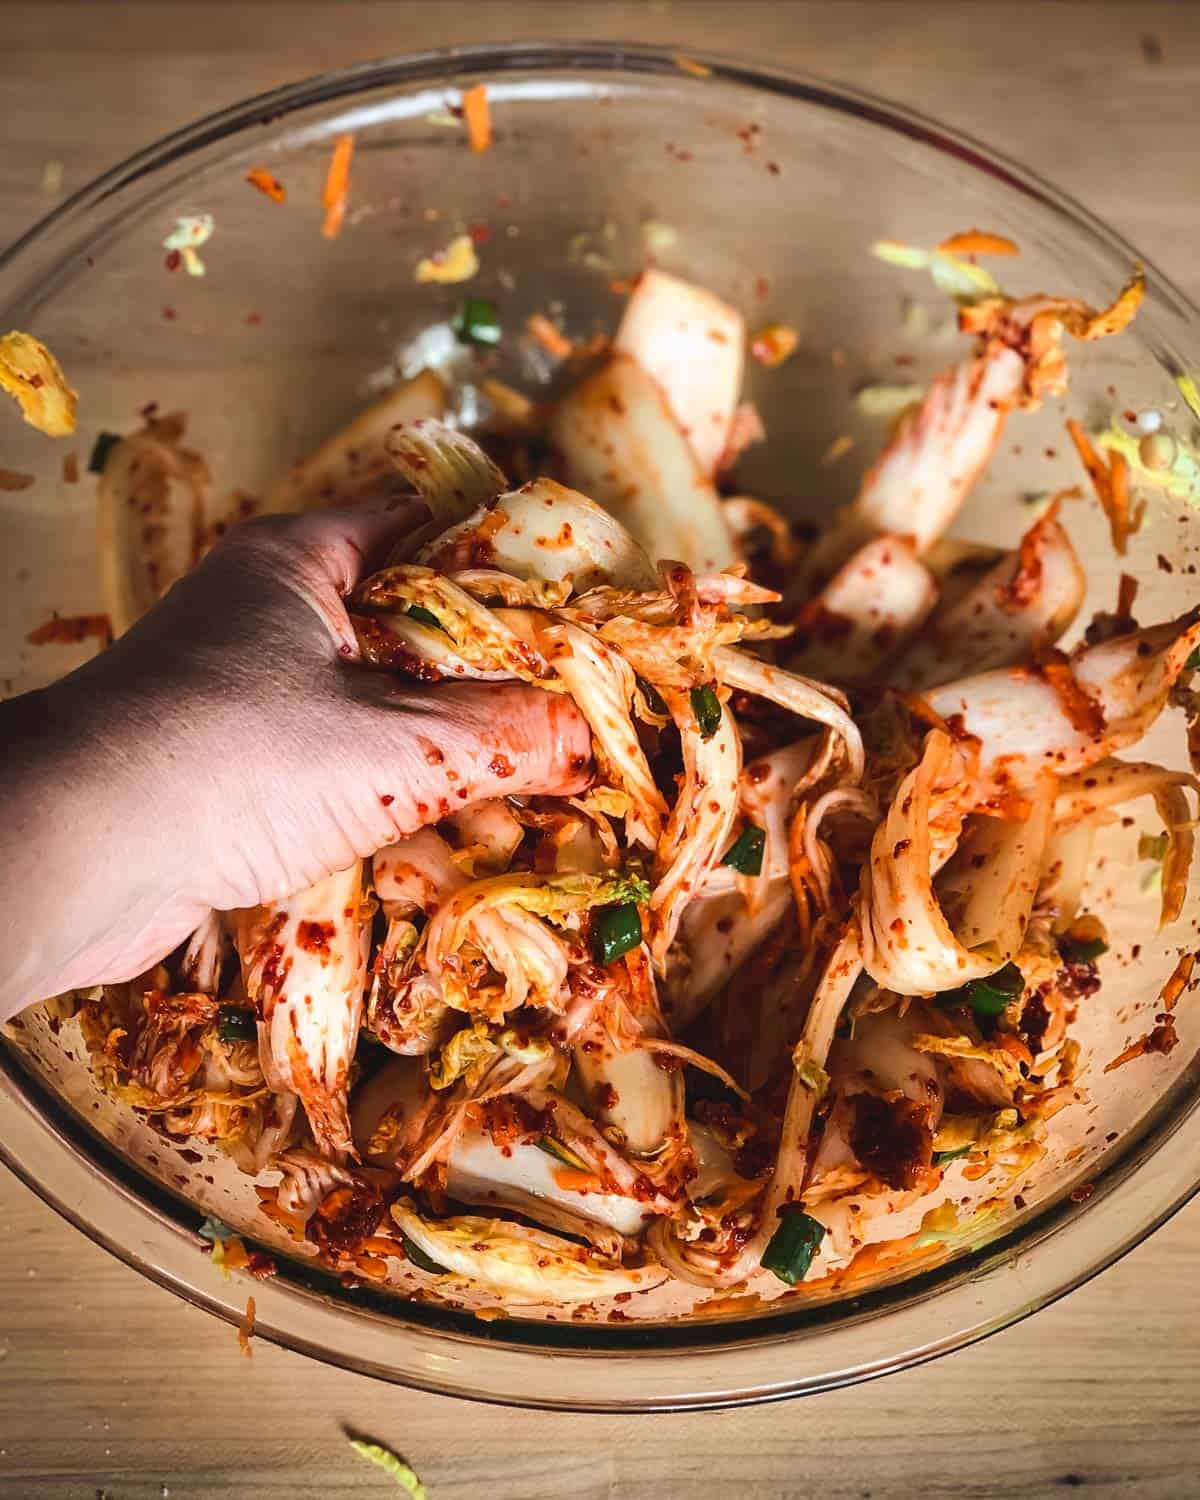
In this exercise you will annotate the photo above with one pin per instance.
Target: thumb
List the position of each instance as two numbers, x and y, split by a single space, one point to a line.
433 750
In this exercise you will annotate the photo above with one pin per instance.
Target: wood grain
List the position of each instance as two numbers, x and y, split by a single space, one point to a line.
109 1384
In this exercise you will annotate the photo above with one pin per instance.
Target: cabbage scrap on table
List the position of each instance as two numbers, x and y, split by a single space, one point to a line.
812 939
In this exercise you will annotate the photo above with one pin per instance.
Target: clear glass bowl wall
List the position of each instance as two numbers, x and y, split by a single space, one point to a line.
289 334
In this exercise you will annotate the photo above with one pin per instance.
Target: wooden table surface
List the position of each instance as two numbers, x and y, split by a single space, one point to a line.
108 1384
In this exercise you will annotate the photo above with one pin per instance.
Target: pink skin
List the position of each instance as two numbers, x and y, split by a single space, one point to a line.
230 750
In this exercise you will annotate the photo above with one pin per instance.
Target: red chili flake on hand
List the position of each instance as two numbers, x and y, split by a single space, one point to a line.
387 799
173 261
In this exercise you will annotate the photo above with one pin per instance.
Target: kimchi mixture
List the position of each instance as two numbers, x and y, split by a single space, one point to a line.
809 949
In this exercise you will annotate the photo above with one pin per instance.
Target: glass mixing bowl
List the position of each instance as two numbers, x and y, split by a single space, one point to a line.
775 187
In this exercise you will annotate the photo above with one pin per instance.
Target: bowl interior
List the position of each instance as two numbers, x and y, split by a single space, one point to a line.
771 192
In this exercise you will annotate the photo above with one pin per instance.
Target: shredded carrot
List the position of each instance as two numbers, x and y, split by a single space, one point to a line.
71 468
552 339
1162 1039
337 187
1111 483
837 449
695 69
1118 316
512 406
871 1259
10 479
266 182
1127 588
1082 710
978 242
378 1244
478 117
246 1326
1180 976
771 345
572 1180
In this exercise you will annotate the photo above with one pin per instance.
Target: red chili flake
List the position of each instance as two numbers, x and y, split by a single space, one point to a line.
315 937
71 629
480 233
253 319
387 799
1083 1193
170 314
173 261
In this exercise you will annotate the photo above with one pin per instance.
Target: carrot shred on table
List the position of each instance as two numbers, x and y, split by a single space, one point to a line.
552 339
337 187
478 116
266 182
978 242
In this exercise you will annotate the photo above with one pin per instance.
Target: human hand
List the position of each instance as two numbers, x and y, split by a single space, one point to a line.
230 749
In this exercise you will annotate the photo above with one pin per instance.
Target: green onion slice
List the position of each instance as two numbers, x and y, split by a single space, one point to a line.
235 1023
419 1259
1081 950
990 996
101 448
793 1245
561 1153
424 616
617 929
707 708
940 1158
745 854
477 321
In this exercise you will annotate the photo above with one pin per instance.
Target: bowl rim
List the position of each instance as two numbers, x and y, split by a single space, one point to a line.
44 1144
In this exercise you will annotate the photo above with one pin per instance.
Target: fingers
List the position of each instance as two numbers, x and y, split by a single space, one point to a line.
434 750
350 541
322 555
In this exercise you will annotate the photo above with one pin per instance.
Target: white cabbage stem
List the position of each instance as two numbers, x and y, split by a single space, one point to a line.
809 700
698 831
909 945
304 965
1026 601
1026 722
